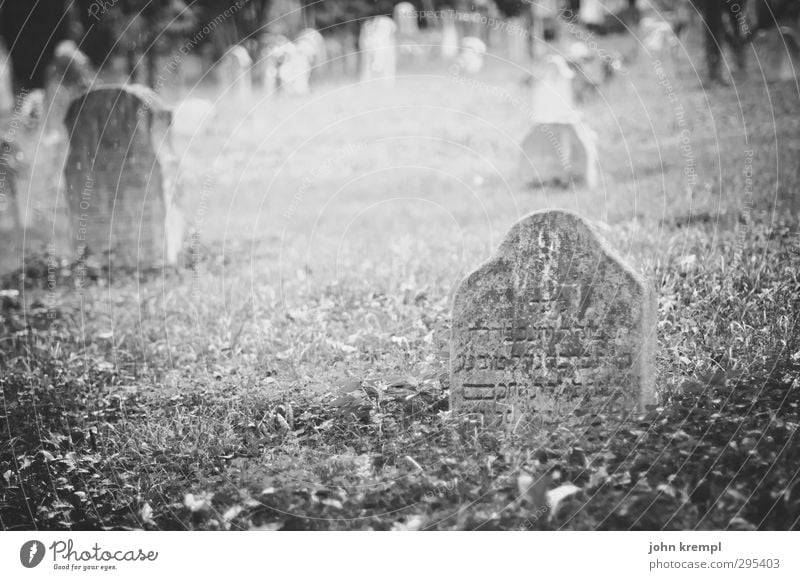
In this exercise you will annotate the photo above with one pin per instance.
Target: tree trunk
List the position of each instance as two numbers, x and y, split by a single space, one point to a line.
714 36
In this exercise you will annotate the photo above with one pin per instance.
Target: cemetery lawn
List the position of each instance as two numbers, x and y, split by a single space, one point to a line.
293 373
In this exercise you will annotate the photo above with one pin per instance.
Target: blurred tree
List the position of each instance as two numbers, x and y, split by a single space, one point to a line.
513 8
246 20
147 28
725 23
330 13
31 31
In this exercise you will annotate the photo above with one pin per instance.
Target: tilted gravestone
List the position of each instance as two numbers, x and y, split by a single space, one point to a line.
121 178
551 324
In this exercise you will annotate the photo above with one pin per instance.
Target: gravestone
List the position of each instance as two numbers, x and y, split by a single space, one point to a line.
234 72
559 147
294 71
69 75
553 323
449 42
592 12
272 51
516 39
473 53
121 178
378 49
405 17
547 22
408 33
311 44
559 153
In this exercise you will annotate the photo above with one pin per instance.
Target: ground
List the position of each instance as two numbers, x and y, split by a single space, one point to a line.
292 373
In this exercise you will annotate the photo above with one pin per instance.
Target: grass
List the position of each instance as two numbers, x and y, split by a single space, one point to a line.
293 372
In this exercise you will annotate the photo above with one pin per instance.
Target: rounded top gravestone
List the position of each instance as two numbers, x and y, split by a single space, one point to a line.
552 324
121 177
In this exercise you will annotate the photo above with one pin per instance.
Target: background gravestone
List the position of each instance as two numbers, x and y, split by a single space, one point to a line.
559 153
121 177
405 16
378 49
234 72
559 147
449 42
552 323
473 53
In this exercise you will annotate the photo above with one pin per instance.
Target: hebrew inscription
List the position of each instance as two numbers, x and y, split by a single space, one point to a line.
552 323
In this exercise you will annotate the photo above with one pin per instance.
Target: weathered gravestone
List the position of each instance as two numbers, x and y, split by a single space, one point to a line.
378 48
121 178
551 324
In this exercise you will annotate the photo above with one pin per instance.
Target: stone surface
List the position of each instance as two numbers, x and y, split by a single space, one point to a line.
378 48
552 323
121 178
